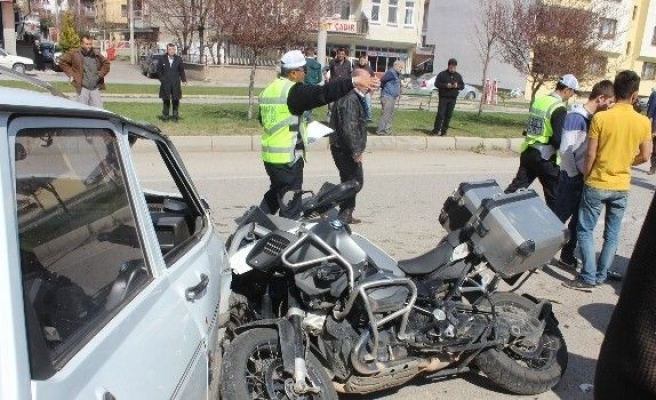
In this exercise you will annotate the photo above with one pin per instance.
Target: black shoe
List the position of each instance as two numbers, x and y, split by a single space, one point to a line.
443 133
434 133
615 276
567 264
578 284
163 117
175 119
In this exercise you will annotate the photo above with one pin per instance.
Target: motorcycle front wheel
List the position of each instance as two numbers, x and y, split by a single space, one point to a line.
252 369
524 370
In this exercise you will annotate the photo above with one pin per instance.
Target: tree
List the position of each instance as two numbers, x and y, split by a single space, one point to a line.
69 38
546 40
259 25
183 19
486 36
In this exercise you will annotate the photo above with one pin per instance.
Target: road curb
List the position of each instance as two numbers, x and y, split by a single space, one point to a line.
220 144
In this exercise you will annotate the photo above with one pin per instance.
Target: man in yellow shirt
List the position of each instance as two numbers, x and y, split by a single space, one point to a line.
618 139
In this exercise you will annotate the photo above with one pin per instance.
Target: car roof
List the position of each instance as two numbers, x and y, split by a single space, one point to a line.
25 101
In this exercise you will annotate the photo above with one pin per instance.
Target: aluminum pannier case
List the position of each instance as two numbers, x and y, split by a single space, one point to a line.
459 207
516 232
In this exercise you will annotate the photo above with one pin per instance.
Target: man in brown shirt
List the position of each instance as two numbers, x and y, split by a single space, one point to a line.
86 68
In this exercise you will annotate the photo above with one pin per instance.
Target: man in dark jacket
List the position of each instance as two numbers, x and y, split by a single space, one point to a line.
86 68
170 71
339 67
448 83
347 144
363 63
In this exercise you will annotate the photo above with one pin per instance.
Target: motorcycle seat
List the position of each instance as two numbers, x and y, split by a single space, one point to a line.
428 262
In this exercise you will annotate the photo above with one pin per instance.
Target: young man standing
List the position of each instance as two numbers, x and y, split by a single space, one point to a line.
544 129
448 83
651 114
86 68
573 146
619 138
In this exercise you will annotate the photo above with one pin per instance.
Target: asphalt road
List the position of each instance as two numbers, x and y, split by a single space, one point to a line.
399 206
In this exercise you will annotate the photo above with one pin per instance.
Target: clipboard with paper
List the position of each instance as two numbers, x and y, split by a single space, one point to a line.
316 130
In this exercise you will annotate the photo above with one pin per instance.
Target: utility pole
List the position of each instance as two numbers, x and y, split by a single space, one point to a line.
131 22
322 39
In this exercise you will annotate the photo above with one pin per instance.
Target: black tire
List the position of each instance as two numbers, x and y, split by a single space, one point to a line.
18 67
470 96
252 369
516 372
240 313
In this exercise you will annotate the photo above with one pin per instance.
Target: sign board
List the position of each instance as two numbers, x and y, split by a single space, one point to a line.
341 26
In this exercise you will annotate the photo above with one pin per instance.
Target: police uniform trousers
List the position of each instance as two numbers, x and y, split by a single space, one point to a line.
284 192
532 166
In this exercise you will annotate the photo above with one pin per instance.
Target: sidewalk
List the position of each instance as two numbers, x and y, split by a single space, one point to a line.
374 143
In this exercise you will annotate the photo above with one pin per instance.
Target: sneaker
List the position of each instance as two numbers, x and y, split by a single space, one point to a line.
163 117
578 284
615 276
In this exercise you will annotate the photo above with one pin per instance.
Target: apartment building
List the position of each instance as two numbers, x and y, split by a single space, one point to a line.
384 30
628 33
451 30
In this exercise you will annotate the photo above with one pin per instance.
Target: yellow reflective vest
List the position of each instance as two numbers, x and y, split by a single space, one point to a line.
538 128
281 128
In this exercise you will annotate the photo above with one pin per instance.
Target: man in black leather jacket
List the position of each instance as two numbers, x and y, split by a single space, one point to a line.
448 84
347 143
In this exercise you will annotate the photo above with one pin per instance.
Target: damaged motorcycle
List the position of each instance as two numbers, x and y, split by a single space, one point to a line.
318 309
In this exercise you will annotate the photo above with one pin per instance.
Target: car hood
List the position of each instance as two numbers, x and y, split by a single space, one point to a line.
18 59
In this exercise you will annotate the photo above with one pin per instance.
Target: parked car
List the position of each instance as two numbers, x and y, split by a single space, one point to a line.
469 92
17 63
148 64
113 284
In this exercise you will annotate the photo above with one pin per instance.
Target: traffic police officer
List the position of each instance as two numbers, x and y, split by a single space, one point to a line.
284 138
539 158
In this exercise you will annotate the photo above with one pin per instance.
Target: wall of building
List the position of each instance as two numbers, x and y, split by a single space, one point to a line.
451 30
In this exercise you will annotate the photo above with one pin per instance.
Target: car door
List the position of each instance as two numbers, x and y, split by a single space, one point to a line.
196 262
103 318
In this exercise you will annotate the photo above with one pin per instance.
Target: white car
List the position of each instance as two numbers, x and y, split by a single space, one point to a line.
17 63
114 283
469 92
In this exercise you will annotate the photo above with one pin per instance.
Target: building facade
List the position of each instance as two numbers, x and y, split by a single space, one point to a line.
384 30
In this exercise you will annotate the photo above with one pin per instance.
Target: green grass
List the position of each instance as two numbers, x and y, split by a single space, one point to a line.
230 119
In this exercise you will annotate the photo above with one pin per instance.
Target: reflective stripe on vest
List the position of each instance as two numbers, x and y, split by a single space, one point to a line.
281 128
538 128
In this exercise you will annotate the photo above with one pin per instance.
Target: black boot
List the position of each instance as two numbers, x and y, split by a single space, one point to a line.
175 116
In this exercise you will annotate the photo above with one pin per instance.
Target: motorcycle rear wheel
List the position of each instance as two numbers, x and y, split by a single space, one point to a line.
511 368
252 369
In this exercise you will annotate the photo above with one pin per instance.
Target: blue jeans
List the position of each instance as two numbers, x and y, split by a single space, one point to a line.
567 206
594 271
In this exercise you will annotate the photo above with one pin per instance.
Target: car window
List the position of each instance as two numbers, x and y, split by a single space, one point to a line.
174 209
81 252
2 53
